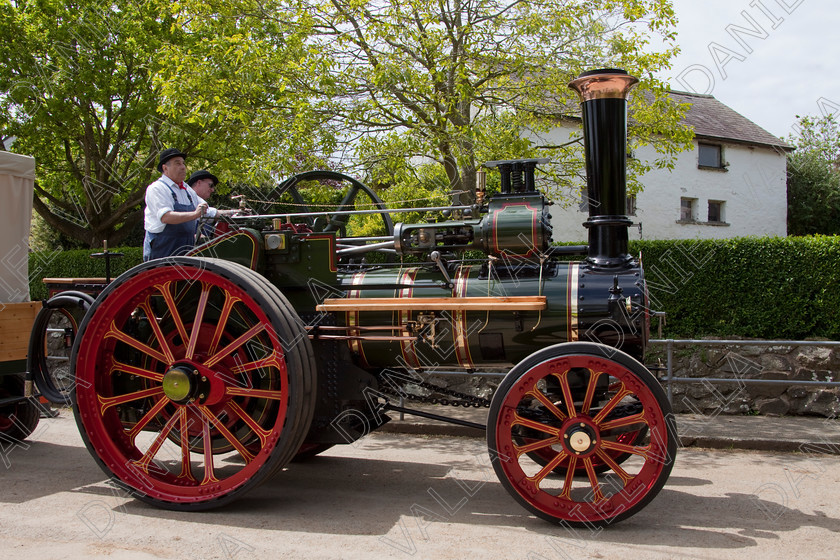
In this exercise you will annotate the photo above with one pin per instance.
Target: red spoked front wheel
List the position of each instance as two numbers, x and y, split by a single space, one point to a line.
194 381
591 413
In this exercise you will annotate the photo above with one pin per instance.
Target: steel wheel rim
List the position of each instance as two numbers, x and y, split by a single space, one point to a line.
49 372
581 499
126 451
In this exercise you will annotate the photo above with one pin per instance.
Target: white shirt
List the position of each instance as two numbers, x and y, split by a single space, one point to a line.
159 202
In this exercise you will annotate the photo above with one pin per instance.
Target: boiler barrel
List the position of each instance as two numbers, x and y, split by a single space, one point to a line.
512 322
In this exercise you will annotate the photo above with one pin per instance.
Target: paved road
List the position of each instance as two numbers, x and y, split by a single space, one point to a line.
366 501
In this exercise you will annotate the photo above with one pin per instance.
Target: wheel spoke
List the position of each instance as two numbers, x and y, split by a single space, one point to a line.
107 402
153 323
597 495
624 448
533 424
114 332
546 470
275 359
222 429
134 370
615 467
349 198
570 476
255 393
173 308
626 421
144 421
150 453
199 318
251 423
186 470
230 348
209 470
567 392
224 315
617 398
590 392
537 394
541 444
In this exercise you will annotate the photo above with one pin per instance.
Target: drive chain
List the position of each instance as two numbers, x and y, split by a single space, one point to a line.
464 399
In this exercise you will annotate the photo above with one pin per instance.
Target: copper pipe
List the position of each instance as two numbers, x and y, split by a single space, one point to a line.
361 337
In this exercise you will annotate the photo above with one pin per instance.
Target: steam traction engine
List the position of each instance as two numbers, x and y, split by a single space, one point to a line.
199 377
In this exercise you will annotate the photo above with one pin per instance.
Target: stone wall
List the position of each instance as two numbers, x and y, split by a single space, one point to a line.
789 363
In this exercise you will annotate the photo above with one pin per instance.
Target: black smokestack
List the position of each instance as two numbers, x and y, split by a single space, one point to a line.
603 96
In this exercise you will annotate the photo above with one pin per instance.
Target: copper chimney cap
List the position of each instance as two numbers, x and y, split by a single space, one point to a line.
606 83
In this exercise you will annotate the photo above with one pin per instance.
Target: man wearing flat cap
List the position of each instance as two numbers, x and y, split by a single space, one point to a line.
203 183
172 209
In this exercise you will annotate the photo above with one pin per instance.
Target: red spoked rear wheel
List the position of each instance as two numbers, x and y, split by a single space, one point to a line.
540 423
194 382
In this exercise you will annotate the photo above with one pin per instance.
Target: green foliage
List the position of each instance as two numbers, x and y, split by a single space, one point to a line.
405 195
774 288
76 92
258 89
75 264
452 83
246 73
814 178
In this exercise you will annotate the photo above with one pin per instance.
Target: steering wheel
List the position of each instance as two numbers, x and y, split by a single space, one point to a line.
338 222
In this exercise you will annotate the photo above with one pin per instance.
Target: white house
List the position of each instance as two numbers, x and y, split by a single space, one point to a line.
732 184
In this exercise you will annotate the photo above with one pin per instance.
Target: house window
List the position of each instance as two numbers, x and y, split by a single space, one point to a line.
711 155
631 204
630 207
687 209
716 211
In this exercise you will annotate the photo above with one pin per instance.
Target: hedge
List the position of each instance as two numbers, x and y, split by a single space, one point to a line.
76 264
774 288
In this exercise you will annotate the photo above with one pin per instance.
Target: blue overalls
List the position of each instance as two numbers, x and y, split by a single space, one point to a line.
175 239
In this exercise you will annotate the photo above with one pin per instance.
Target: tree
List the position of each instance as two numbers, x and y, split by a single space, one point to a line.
456 82
76 93
813 181
460 82
249 77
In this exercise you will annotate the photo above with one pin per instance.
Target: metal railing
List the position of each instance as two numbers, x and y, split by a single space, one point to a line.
670 379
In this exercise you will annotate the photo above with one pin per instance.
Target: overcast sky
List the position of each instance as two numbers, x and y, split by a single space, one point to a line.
793 67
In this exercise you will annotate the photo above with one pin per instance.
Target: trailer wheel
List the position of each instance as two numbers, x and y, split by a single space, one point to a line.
53 333
194 382
19 419
575 431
